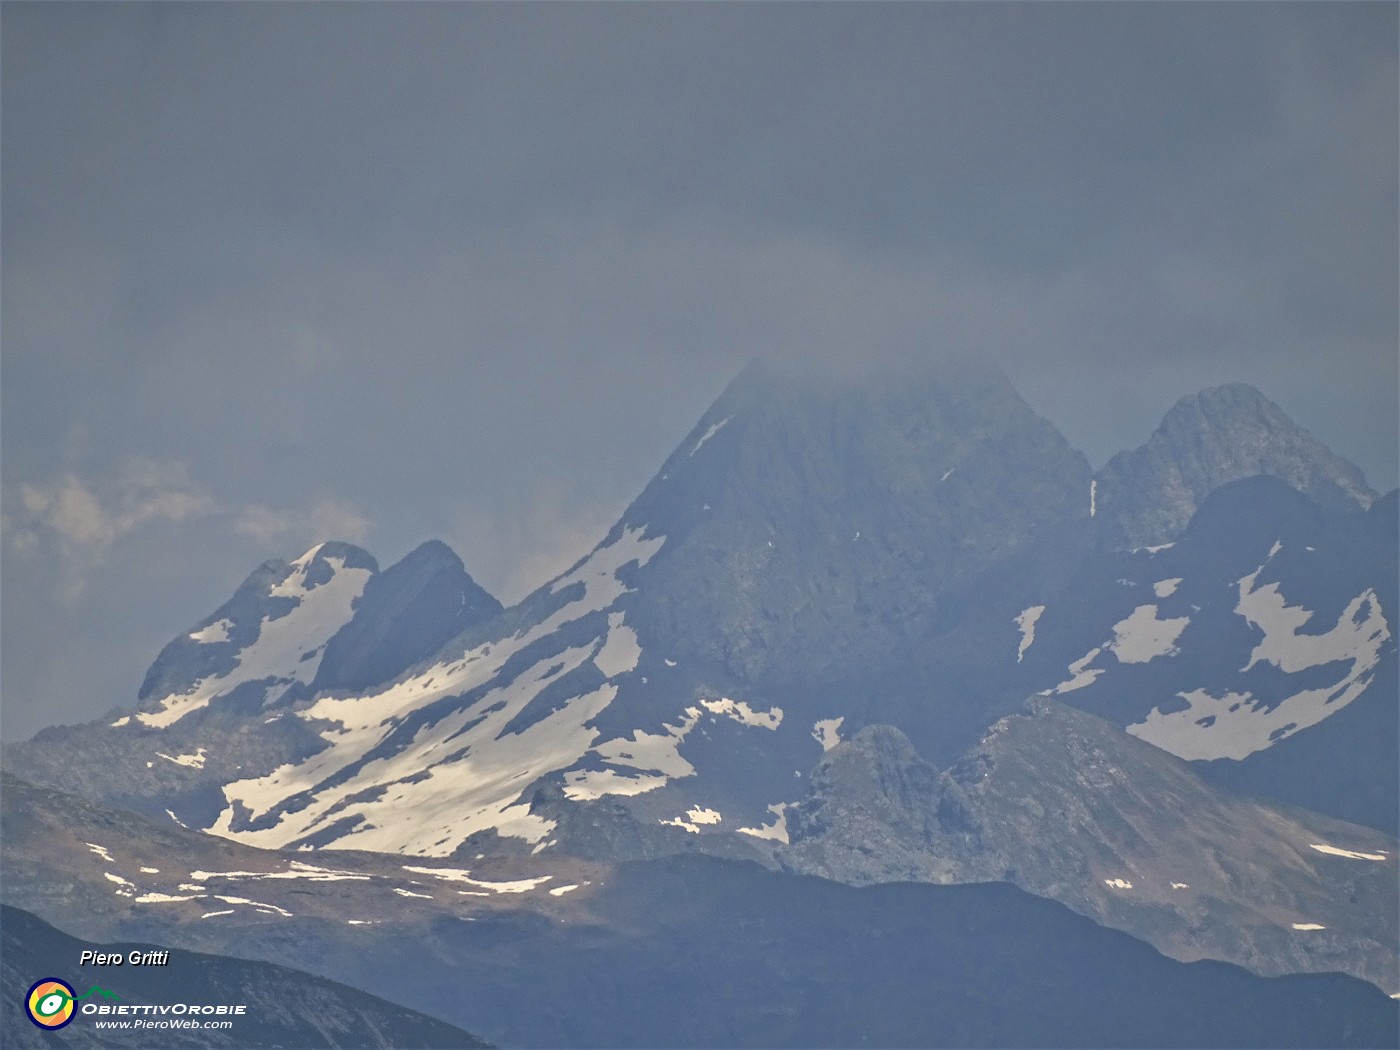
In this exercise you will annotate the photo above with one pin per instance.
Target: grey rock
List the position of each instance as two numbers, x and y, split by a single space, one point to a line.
1206 440
1066 806
819 525
406 614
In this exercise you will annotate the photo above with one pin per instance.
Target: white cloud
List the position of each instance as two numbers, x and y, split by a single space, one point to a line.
327 518
86 516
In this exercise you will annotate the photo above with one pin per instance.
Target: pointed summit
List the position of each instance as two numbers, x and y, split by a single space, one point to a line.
406 613
814 519
264 639
1207 440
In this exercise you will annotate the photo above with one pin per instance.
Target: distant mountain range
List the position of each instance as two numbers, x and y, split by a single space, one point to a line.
880 630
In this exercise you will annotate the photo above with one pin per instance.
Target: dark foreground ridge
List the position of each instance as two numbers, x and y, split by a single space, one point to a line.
285 1008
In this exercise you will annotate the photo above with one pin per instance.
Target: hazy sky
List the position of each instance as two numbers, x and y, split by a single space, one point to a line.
273 273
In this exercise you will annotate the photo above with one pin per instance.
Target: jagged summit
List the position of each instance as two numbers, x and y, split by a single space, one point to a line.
1206 440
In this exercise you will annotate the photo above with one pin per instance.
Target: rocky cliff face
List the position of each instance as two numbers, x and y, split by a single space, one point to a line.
406 614
1066 806
1147 496
813 524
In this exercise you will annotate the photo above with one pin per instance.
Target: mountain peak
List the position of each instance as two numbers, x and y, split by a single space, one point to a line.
1207 440
800 503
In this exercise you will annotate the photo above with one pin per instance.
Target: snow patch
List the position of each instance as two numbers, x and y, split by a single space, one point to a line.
1025 622
459 875
194 761
123 720
150 871
1349 854
124 887
777 831
619 652
1142 637
410 893
211 914
1236 725
1166 588
709 434
298 870
698 816
743 714
559 891
101 851
269 909
1093 497
161 898
1308 926
827 732
1180 886
215 632
1079 674
1118 884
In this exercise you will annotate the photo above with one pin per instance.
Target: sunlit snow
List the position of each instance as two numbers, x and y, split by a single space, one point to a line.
619 652
777 831
743 714
162 898
697 816
1349 854
277 653
460 875
1118 884
475 771
194 761
1308 926
215 632
1166 588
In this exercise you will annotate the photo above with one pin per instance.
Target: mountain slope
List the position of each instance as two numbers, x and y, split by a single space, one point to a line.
217 702
673 952
1068 807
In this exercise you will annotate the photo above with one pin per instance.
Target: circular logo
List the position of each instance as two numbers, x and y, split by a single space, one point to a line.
50 1003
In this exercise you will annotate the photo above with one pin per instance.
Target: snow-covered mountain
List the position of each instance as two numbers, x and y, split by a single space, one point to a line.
914 550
